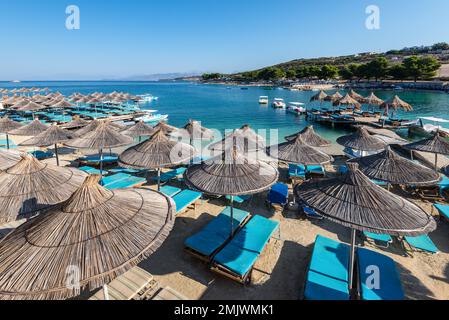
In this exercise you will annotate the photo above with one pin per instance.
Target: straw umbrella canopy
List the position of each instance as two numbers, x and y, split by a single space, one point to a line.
52 136
356 96
99 232
30 186
298 152
8 159
77 122
31 106
372 99
32 129
19 103
231 174
245 139
139 130
103 137
155 153
62 104
166 128
347 100
333 97
435 144
361 140
194 131
7 125
320 96
390 167
95 124
396 103
310 137
352 200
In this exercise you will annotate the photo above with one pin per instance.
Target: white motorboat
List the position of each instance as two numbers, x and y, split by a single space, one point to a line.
426 129
147 98
263 100
150 116
279 103
296 108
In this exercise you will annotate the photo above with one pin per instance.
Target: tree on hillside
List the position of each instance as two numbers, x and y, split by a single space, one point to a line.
272 74
421 67
398 72
440 46
346 73
378 68
290 74
211 76
328 72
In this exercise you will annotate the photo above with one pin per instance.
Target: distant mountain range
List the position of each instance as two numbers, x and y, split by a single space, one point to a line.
161 76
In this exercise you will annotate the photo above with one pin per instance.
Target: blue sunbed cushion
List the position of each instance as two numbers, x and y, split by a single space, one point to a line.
126 183
315 169
170 191
165 177
327 278
217 232
38 154
443 209
423 243
444 183
378 237
389 287
96 158
296 171
91 170
278 194
185 199
241 253
239 199
114 178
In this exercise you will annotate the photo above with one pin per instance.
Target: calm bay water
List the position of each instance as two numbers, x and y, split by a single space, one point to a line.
222 107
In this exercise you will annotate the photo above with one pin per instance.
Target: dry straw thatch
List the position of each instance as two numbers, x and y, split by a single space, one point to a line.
231 173
166 128
93 125
140 129
361 140
333 97
102 137
51 136
372 99
435 144
388 166
31 106
76 123
320 96
99 232
347 100
8 159
297 151
7 125
244 139
396 103
29 187
32 129
156 152
194 131
356 96
310 137
354 201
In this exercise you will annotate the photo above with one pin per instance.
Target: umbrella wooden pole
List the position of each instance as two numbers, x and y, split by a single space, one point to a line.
7 142
436 162
106 292
158 179
412 156
56 154
232 216
352 260
101 163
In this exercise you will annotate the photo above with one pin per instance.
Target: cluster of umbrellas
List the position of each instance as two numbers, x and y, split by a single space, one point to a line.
36 102
23 90
98 97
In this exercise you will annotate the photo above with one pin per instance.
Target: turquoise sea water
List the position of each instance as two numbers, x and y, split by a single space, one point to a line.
221 107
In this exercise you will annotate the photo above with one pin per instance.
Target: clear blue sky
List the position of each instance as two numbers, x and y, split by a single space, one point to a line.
123 38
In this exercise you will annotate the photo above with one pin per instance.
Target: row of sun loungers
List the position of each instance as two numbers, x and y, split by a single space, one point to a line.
327 277
296 171
234 258
421 243
122 180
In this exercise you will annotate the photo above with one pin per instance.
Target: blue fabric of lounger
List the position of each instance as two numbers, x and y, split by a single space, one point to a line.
378 237
390 287
185 199
315 169
343 169
239 199
39 154
129 182
294 171
216 232
124 170
443 210
379 183
114 178
327 277
170 191
241 253
165 177
278 194
423 243
444 183
91 170
96 158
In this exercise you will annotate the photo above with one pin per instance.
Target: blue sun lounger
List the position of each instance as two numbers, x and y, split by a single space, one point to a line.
327 277
278 194
314 170
422 243
40 155
444 183
381 240
312 214
170 191
125 170
91 170
389 286
295 172
107 158
215 234
166 177
443 210
122 181
237 258
185 199
239 199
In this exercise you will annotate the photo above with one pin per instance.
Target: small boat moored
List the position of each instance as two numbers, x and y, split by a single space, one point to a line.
296 108
151 116
263 100
279 103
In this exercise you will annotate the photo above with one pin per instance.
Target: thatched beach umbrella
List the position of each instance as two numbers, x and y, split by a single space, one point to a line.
96 234
333 97
194 131
8 159
93 125
231 174
435 144
396 103
355 96
361 140
155 153
320 96
348 101
32 129
373 100
352 200
103 137
7 125
310 137
20 103
166 128
245 139
76 123
30 186
140 129
31 106
390 167
52 136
